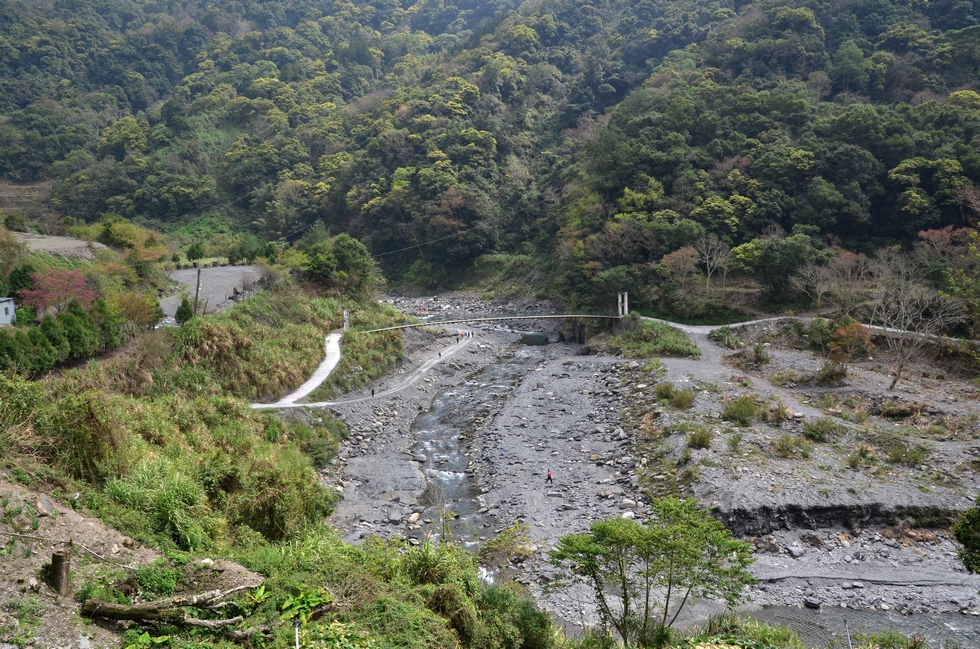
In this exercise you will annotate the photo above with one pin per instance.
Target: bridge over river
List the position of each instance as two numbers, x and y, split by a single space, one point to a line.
492 318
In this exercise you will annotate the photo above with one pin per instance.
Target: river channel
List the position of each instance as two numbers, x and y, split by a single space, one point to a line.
445 436
441 433
477 435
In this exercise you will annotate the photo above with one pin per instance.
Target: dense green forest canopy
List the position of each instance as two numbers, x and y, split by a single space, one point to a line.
599 136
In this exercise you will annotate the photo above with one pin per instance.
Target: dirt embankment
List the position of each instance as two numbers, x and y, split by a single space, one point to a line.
61 246
33 526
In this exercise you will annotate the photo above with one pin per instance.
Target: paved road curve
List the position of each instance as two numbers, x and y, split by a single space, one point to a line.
326 367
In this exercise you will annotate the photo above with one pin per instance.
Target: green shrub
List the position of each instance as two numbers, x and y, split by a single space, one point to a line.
741 411
899 453
700 438
734 441
158 578
820 430
725 337
863 455
438 563
173 502
727 628
759 355
820 334
832 373
513 541
336 635
459 610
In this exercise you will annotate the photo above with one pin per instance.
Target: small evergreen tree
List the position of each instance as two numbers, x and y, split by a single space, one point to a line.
184 311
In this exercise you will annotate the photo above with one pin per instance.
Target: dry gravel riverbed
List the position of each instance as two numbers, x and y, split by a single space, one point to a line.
826 537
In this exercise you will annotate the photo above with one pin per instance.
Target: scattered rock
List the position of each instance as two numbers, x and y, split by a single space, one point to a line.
44 505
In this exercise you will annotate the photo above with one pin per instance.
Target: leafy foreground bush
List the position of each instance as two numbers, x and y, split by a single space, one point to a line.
389 593
648 339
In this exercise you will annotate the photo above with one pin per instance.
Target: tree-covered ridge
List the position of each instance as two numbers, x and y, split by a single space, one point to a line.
607 134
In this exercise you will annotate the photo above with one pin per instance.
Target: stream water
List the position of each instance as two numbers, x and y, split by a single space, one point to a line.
441 434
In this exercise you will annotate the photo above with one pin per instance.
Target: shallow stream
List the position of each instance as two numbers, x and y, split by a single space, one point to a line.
441 438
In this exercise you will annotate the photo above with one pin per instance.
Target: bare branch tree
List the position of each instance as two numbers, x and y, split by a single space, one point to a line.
714 254
849 277
680 266
907 312
813 280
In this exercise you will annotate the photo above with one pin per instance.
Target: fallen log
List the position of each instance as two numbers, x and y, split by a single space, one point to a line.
166 610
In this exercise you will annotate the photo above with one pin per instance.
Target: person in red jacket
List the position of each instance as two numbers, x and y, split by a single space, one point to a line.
548 479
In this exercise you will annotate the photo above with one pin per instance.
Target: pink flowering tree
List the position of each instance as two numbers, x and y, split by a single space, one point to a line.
57 288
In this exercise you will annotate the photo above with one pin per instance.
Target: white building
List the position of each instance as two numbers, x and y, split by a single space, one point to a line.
7 314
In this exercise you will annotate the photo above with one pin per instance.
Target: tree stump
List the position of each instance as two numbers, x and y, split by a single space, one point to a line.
61 572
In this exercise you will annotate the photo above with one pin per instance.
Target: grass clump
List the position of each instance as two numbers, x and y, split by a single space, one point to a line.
907 455
729 630
788 446
734 441
647 339
680 399
775 412
700 438
664 391
863 455
820 430
741 411
683 399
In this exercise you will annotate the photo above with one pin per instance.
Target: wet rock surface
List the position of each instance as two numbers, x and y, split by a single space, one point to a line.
826 537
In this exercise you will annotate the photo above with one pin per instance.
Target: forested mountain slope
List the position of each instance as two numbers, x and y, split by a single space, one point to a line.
600 135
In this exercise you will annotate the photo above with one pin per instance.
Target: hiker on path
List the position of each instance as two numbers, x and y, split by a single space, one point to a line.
548 480
372 393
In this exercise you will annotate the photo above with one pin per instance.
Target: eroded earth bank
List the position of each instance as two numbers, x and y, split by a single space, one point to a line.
836 540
